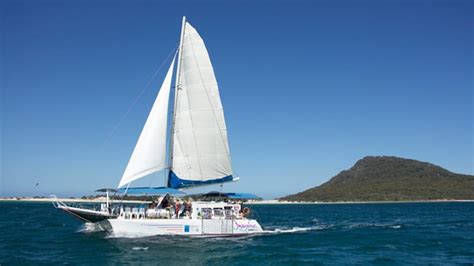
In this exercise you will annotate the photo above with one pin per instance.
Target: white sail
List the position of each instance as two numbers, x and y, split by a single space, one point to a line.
149 155
200 152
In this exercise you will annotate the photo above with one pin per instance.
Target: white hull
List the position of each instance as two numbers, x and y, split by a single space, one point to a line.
189 227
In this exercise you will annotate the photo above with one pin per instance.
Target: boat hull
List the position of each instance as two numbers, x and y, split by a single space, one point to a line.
87 215
187 227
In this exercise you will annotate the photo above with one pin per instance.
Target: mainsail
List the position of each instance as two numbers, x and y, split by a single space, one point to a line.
199 148
149 155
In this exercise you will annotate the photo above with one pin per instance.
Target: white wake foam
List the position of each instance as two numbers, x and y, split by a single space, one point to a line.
363 225
127 235
140 248
292 230
90 228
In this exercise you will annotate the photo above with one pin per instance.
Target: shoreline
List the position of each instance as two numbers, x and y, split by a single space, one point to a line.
354 202
69 200
261 202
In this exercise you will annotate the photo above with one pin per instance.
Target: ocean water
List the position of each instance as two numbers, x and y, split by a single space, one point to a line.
382 234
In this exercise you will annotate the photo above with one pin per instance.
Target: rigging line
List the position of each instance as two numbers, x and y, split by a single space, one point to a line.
126 190
135 101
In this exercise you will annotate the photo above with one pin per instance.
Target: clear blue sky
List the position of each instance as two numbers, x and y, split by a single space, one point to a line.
308 87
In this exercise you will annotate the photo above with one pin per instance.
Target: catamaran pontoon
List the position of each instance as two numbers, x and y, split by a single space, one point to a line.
198 154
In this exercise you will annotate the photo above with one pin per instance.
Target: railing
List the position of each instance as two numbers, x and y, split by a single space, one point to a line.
56 202
219 226
60 204
132 213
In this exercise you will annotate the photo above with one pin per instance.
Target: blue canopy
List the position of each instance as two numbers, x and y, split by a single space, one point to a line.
106 190
241 196
230 195
176 182
150 191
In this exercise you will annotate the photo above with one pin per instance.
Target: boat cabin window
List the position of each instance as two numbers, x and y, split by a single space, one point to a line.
218 212
207 213
228 211
236 208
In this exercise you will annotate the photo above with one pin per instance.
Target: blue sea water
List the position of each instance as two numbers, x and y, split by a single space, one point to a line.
382 234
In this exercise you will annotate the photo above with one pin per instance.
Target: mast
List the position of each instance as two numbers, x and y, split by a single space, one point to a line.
176 88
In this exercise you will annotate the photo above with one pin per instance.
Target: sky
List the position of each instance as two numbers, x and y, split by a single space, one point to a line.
308 87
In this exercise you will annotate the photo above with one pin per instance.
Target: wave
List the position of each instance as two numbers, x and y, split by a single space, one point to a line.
91 228
364 225
140 248
354 225
127 235
293 230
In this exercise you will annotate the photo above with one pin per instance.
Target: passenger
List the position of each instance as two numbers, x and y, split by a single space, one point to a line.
181 214
152 205
165 202
177 206
187 208
246 212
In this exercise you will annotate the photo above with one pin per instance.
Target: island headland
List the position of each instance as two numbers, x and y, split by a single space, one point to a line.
387 178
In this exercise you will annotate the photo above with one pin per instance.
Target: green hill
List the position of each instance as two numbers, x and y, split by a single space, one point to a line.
385 178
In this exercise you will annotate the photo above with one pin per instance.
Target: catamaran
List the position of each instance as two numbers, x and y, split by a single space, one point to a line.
195 154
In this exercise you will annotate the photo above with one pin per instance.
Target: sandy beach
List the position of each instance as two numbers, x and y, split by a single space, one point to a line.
77 200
